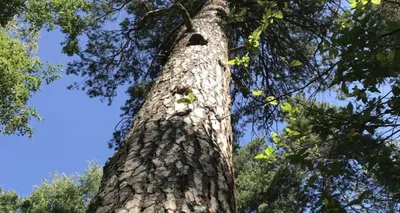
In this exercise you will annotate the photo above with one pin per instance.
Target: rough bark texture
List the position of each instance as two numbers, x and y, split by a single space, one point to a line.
177 157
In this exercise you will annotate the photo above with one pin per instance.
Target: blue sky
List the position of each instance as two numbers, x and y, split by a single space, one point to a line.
75 129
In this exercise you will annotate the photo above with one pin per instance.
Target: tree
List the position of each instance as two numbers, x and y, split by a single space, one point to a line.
179 108
267 187
22 73
261 187
60 194
178 156
342 169
8 10
9 201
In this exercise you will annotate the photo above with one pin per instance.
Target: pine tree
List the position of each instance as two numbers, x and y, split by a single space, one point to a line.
174 57
178 155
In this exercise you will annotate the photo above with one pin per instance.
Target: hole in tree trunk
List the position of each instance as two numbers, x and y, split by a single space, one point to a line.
182 90
197 39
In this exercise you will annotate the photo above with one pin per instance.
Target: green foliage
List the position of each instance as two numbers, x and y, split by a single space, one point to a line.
269 100
64 14
60 194
340 160
9 201
8 9
266 187
187 100
239 61
21 72
295 63
269 154
20 76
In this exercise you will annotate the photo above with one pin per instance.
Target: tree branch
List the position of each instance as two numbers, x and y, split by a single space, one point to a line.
186 18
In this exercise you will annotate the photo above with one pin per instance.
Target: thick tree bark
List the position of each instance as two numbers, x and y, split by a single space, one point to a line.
178 157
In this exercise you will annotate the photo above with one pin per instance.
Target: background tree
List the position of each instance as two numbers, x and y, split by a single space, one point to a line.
349 155
342 170
21 71
9 9
267 187
62 193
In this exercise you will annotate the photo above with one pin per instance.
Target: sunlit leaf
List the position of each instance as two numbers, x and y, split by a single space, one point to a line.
257 92
286 107
278 14
295 63
191 97
261 157
376 1
184 101
271 100
269 151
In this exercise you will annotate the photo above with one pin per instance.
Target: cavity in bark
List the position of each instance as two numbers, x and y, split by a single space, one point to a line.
182 90
197 39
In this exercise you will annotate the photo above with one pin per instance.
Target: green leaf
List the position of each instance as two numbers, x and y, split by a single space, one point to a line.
312 180
335 168
284 60
295 63
376 1
381 57
271 100
257 92
191 97
278 14
350 108
261 157
276 140
232 62
344 88
269 151
286 107
333 52
245 61
292 132
325 201
353 4
256 34
390 56
184 101
354 202
295 133
275 137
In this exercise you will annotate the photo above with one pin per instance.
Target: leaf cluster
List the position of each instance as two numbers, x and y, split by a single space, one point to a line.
60 194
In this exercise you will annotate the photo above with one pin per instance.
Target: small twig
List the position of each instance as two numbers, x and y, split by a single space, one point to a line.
390 33
145 5
186 18
242 47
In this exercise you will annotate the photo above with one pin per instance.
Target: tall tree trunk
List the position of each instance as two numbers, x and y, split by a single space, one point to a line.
178 157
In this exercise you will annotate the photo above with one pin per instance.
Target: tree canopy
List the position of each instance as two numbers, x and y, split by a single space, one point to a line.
22 73
59 194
